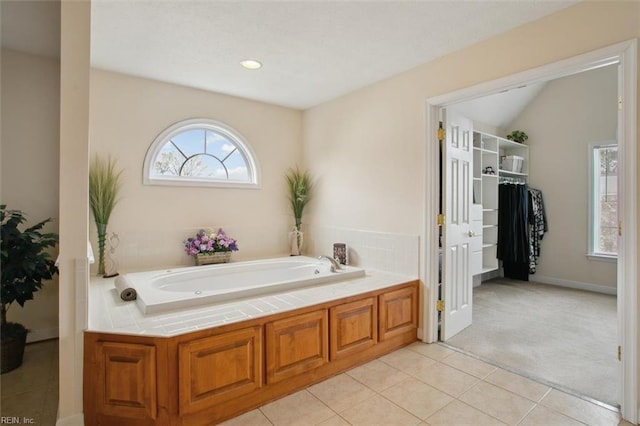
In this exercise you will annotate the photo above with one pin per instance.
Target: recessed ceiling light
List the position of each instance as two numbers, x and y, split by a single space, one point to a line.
251 64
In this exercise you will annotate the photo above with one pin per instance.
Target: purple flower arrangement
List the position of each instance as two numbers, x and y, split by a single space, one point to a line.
209 242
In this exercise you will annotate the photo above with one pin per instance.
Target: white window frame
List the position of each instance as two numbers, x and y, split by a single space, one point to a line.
593 213
163 138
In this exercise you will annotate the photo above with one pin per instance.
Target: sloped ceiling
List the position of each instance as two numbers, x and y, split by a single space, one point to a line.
500 109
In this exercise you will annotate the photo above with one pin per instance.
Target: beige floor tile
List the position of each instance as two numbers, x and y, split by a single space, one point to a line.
497 402
300 408
377 375
470 365
543 416
341 392
334 421
416 397
378 411
579 409
432 350
408 361
517 384
447 379
625 423
460 414
253 418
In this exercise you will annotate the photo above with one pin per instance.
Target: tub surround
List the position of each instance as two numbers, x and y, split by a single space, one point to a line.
204 365
109 314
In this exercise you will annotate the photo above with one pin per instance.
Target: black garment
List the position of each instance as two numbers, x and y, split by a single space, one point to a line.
537 226
513 230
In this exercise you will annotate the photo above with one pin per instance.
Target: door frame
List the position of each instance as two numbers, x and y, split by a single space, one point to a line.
624 53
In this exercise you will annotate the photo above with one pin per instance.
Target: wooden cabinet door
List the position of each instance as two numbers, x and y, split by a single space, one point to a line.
126 385
398 312
219 368
353 327
296 345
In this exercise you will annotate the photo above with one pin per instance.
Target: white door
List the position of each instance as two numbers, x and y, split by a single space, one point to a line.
457 186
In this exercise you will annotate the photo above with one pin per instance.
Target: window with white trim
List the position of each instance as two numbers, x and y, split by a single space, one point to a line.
201 152
603 200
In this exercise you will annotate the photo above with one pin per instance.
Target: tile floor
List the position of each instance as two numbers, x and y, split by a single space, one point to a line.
30 392
417 385
429 385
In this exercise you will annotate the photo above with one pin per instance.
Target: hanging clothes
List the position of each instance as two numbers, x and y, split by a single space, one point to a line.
537 226
513 230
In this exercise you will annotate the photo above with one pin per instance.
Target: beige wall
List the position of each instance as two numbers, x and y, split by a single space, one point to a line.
30 146
127 113
568 115
367 147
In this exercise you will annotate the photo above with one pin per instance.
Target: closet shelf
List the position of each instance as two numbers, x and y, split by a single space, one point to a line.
507 172
489 226
486 245
488 268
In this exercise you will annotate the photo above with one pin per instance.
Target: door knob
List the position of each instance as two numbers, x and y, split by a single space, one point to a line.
472 234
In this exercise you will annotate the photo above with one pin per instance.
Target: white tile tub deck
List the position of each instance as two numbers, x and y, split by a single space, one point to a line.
109 314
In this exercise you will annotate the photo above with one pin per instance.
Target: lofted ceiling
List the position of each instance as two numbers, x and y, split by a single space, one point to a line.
312 51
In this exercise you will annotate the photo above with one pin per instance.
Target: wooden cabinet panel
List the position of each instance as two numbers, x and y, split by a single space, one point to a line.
354 327
398 312
296 345
126 380
219 368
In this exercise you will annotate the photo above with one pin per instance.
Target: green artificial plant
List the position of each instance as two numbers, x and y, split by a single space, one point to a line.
299 185
26 263
104 187
517 136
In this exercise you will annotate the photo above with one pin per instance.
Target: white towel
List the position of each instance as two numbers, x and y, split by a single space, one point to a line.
125 288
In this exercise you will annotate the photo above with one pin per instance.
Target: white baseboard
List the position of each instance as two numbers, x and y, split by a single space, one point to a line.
42 334
574 284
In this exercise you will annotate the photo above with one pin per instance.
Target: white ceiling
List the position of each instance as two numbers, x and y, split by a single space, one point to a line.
499 109
312 51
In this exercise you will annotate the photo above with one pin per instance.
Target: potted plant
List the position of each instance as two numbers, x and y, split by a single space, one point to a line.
299 185
517 136
26 263
104 186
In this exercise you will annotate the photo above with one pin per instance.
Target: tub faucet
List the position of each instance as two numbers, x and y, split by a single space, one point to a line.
334 263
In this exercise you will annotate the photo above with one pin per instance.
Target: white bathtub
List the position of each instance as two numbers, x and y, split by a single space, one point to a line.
162 290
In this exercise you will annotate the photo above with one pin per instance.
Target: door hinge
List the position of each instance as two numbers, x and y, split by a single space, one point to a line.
441 134
620 103
440 305
619 353
441 220
620 228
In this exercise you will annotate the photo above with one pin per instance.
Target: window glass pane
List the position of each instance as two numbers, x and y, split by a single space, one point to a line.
237 167
606 200
167 162
189 142
203 166
218 145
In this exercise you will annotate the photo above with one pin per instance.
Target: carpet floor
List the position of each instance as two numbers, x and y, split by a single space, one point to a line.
562 336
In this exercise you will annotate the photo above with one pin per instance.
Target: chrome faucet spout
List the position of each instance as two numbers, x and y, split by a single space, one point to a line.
335 265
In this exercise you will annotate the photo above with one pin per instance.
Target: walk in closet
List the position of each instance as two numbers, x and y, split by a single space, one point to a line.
495 160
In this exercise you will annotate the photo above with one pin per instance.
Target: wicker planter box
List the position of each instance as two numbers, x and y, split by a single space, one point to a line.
208 259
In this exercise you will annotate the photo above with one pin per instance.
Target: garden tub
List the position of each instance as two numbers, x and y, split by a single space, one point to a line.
163 290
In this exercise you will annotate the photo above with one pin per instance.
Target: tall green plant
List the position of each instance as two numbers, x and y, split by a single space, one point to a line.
104 187
299 186
25 262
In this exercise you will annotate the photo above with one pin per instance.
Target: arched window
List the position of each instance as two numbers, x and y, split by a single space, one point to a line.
200 152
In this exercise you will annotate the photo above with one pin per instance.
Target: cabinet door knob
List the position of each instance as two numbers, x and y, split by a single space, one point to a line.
472 234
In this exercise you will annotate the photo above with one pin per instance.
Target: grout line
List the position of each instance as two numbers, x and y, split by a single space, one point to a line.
555 386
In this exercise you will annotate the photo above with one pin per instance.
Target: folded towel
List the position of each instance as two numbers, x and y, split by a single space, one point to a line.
125 288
